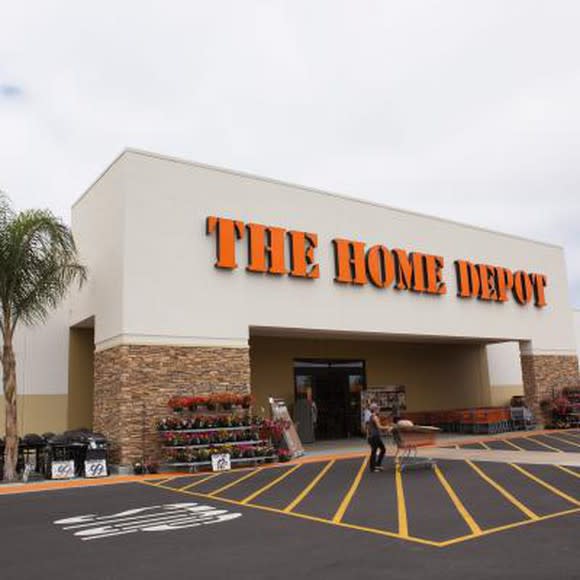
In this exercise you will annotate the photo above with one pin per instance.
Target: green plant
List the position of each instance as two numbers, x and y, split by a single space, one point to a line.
38 263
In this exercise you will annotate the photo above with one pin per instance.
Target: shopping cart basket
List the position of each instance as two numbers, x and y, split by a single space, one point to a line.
408 439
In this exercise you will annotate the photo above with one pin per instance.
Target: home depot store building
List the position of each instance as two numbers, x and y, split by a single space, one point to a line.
203 279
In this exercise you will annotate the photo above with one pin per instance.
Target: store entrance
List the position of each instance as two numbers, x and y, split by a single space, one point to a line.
334 387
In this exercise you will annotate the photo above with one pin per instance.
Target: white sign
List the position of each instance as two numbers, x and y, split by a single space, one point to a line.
62 469
95 468
221 462
157 518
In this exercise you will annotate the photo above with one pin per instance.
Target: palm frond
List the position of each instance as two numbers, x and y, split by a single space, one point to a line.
38 263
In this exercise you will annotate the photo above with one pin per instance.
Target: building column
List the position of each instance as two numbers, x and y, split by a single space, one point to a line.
133 384
545 375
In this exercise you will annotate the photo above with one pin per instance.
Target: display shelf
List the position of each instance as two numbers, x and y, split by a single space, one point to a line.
206 429
212 413
237 460
220 444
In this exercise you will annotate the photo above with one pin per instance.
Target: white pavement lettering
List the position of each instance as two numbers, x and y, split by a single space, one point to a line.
158 518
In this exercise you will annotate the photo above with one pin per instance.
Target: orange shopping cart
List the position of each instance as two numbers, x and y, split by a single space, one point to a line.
408 439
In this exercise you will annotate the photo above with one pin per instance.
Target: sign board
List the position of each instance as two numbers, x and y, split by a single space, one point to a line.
390 399
357 263
221 462
96 468
62 469
291 439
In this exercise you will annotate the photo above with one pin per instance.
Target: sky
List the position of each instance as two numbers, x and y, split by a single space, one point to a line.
468 110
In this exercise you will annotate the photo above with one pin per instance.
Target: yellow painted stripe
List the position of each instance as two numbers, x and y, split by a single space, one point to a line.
304 516
574 473
401 504
373 530
543 483
485 446
270 485
471 523
513 444
527 511
562 439
489 531
207 478
348 497
233 483
544 444
308 488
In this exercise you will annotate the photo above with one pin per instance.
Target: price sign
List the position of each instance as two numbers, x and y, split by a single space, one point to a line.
62 469
95 468
221 462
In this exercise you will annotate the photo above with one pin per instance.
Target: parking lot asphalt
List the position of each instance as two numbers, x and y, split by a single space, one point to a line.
555 441
324 519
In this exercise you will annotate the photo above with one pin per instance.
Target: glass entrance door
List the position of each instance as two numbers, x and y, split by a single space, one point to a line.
333 387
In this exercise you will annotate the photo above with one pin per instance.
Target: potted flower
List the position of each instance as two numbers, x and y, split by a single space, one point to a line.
247 401
178 404
284 455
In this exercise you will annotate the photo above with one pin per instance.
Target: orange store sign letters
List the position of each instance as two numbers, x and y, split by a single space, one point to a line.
277 251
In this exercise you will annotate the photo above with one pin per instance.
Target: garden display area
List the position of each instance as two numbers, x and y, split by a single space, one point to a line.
200 428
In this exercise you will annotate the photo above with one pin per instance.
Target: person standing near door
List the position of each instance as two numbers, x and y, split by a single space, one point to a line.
374 430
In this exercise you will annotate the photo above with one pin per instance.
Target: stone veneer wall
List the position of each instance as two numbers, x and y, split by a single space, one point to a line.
133 384
544 375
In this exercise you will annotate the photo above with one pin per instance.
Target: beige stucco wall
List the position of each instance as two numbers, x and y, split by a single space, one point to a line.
38 414
80 378
141 230
437 376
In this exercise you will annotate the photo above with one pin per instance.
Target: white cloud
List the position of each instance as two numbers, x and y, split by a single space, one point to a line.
465 110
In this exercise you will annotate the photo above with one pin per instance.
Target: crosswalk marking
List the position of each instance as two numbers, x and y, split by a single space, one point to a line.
545 484
309 487
239 480
545 445
562 439
348 497
401 504
574 473
527 511
512 444
471 523
195 483
269 485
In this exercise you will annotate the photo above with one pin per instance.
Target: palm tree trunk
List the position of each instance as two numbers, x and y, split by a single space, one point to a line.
9 383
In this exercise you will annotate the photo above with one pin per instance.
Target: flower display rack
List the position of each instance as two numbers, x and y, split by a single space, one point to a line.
200 427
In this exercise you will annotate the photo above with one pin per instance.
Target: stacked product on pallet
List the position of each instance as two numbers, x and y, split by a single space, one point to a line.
200 427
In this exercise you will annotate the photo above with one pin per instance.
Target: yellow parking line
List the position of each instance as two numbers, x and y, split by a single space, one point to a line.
374 531
489 531
471 523
269 485
401 504
513 445
544 444
568 470
190 485
546 485
348 497
309 487
528 512
562 439
484 445
164 481
239 480
303 516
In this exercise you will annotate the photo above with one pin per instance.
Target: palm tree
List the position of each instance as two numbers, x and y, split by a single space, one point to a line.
38 263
